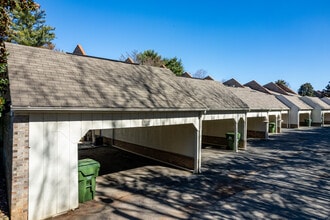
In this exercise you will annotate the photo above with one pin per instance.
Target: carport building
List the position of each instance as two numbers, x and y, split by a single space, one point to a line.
226 112
263 110
56 98
320 112
300 112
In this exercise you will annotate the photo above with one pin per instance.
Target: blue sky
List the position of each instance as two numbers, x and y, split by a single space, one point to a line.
262 40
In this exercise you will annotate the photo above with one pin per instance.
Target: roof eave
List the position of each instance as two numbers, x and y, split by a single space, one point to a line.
79 109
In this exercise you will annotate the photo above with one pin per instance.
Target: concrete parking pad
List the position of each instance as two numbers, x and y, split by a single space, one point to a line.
285 177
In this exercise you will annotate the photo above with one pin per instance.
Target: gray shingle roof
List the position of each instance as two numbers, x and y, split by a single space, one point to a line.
275 88
315 102
44 78
287 89
256 86
258 100
213 94
326 100
295 100
41 78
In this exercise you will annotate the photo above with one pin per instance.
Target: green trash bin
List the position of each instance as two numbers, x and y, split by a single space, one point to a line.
88 170
272 127
230 136
308 122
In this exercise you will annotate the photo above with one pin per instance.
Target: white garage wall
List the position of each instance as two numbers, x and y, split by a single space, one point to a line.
256 124
53 164
179 139
218 128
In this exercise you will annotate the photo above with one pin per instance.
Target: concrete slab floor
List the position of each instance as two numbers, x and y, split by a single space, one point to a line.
285 177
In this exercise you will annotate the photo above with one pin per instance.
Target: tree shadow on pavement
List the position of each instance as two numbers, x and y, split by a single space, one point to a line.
285 177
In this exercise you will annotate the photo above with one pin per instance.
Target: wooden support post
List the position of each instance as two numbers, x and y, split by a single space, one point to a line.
245 133
235 137
93 136
266 121
198 146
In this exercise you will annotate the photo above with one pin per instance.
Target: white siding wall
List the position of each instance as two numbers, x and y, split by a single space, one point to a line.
256 124
317 116
53 156
180 139
218 128
52 164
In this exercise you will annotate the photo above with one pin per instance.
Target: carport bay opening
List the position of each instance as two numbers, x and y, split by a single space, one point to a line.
173 145
214 133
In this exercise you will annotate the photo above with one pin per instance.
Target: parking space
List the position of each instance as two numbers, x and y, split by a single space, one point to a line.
285 177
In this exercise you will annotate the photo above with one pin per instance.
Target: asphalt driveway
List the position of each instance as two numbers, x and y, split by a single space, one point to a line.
285 177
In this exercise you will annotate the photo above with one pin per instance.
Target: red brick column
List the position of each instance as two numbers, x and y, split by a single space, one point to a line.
20 168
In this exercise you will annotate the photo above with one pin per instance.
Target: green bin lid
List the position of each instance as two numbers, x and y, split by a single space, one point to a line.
87 162
230 133
88 167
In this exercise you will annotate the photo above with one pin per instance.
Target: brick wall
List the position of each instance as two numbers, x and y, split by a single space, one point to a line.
7 150
16 155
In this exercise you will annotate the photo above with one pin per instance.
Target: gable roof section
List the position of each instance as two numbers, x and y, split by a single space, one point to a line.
285 88
45 79
79 50
257 100
233 83
295 101
208 78
186 74
315 102
275 88
213 94
256 86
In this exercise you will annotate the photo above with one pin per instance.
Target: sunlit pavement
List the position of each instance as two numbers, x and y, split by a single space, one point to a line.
285 177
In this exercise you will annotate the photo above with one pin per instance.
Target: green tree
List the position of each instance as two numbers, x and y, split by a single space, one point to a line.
6 8
175 65
282 82
150 58
28 28
306 89
326 91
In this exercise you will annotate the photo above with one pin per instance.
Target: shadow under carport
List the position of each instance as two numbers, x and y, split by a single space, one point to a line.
115 160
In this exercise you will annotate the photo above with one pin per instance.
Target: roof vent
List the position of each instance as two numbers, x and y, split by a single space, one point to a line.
186 74
129 60
208 78
79 50
233 83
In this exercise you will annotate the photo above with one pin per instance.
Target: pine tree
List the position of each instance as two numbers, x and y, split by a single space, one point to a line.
28 28
175 65
326 91
6 7
306 89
